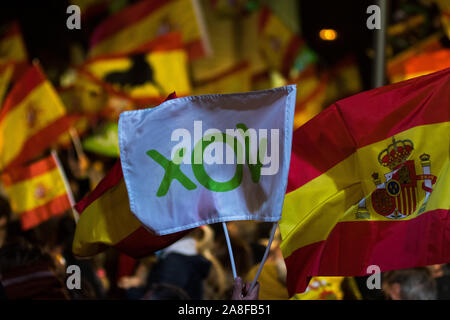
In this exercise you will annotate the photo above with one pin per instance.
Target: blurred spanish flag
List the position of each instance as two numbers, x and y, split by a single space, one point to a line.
310 100
145 75
278 44
13 50
36 192
369 184
146 20
32 118
399 67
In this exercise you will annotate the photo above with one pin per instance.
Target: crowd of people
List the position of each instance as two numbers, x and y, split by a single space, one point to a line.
34 264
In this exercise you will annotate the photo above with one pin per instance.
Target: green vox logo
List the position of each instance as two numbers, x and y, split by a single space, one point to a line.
242 145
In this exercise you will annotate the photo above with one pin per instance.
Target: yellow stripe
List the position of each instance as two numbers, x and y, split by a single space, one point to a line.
26 195
15 128
311 212
165 65
108 220
179 15
311 109
236 82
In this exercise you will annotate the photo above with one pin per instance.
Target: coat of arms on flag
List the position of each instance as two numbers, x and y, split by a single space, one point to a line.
398 195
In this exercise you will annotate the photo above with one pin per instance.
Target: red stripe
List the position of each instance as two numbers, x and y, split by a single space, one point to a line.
125 18
195 49
167 42
13 30
317 146
139 102
353 246
261 76
263 18
414 199
291 53
22 173
41 140
392 109
31 79
313 95
111 179
36 216
366 118
141 242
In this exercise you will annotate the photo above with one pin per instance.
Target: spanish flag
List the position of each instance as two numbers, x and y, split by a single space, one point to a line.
369 184
13 50
426 63
311 98
32 118
36 192
396 67
106 221
344 80
278 44
146 20
145 75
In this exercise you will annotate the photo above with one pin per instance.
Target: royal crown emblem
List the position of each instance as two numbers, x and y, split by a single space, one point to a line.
40 191
31 116
398 196
396 153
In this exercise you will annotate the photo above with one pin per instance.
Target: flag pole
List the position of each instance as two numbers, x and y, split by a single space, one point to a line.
230 250
76 142
76 215
379 66
266 253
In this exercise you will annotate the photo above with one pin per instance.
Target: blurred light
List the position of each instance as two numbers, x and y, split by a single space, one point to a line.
328 34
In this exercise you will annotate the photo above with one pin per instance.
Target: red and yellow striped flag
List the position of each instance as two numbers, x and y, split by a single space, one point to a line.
369 184
36 192
106 221
396 66
311 96
278 44
32 118
146 20
145 75
12 49
427 63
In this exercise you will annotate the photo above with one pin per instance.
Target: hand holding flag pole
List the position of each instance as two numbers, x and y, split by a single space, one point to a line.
266 253
261 265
